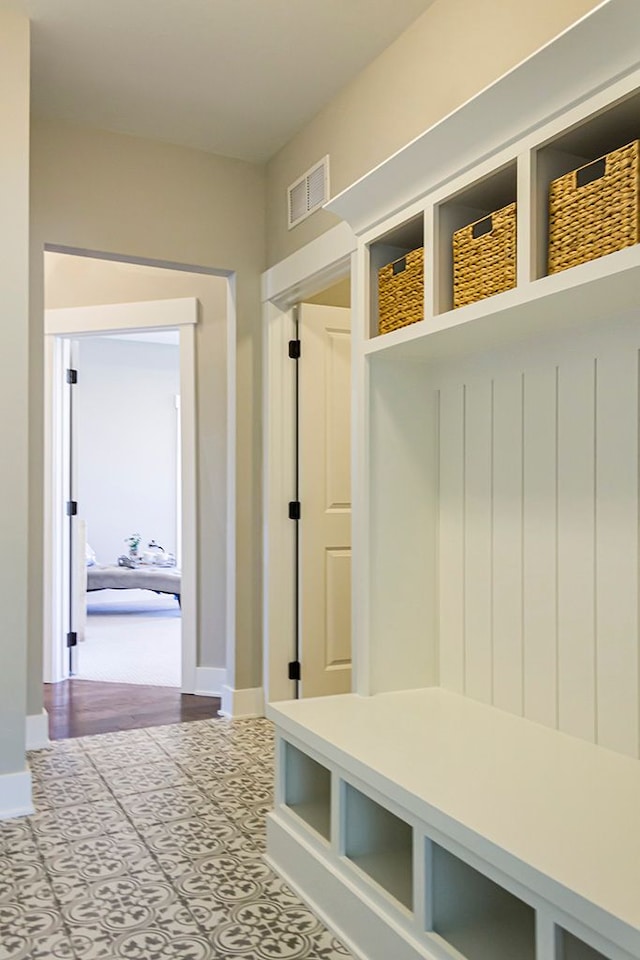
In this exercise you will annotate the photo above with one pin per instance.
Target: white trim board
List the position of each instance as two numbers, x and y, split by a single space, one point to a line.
60 326
107 318
38 731
237 704
210 681
15 795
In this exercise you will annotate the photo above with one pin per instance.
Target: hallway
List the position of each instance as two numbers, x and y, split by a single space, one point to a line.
147 845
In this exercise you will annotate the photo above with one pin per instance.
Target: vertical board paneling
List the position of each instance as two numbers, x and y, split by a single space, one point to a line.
576 547
507 543
539 547
451 538
477 567
617 551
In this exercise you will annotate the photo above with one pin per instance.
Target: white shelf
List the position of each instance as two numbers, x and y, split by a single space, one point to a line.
560 814
391 870
380 844
476 916
307 790
568 301
574 949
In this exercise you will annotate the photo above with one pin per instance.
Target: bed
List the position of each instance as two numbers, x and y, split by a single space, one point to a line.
158 579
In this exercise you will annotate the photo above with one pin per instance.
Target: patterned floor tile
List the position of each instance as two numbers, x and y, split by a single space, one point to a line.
48 764
147 845
96 859
64 791
23 946
120 757
78 821
147 777
161 806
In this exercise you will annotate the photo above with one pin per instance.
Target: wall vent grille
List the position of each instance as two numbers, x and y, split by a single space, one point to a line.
308 193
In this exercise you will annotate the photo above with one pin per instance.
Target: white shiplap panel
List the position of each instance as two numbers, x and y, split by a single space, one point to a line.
576 547
617 551
477 567
451 537
507 543
539 547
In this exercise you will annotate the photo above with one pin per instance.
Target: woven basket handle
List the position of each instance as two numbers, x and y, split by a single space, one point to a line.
399 266
482 227
590 172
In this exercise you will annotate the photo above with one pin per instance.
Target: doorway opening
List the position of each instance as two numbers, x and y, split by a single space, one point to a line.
96 308
126 418
307 613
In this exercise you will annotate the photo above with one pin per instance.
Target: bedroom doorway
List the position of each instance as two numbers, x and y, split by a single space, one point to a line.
126 443
66 571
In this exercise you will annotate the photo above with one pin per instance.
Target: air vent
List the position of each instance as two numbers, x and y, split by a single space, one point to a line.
308 193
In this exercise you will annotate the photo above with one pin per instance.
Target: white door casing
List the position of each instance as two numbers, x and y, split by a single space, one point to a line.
325 496
304 274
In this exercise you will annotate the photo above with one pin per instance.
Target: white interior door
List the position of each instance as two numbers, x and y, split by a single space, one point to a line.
325 496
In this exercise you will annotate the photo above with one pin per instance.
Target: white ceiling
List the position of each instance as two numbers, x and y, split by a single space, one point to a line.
235 77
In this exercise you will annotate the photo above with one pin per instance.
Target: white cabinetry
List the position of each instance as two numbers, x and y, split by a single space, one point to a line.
481 789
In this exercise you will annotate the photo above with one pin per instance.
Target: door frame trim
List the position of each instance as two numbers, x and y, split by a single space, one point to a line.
302 275
77 322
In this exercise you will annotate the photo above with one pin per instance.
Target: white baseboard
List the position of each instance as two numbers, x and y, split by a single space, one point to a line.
15 795
38 731
210 681
242 703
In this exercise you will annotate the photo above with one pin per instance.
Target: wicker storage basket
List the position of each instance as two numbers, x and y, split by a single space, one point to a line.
484 257
401 292
594 210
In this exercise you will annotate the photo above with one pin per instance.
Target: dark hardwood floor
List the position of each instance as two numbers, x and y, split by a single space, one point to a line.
78 708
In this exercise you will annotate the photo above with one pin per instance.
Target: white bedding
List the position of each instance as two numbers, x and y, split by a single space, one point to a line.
160 579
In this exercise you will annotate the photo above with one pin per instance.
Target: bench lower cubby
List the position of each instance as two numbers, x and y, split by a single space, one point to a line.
397 875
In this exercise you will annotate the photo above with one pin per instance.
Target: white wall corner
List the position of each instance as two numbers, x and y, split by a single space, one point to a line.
15 795
210 681
38 731
237 704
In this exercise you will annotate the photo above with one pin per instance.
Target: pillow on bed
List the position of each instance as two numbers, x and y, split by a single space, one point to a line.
90 556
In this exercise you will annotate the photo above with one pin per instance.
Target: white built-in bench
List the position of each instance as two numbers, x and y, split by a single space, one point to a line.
424 824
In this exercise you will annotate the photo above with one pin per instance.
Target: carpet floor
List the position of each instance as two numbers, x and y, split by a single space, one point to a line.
132 636
148 845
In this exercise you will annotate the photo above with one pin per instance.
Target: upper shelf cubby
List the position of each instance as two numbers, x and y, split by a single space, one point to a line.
475 236
582 148
396 275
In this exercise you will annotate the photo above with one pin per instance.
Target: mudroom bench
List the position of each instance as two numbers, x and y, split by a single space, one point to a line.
426 825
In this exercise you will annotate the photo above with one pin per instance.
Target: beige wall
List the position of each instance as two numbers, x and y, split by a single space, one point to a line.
81 281
14 397
449 54
105 192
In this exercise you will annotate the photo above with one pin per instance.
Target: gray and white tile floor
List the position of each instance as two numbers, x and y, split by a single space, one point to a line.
147 845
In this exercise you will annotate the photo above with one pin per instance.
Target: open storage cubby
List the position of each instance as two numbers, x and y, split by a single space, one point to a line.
481 919
389 248
380 844
475 202
307 789
592 138
571 948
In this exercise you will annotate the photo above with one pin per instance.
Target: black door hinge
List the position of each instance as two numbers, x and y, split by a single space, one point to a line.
294 510
72 376
72 639
294 670
72 508
294 349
